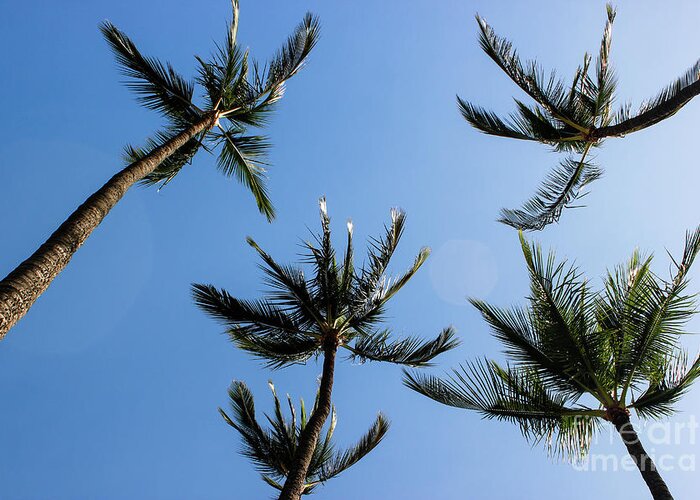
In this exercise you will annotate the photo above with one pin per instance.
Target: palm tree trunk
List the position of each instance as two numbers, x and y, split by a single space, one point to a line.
296 479
651 476
20 288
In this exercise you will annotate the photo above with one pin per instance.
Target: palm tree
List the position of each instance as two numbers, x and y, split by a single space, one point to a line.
337 307
239 94
569 117
578 358
273 450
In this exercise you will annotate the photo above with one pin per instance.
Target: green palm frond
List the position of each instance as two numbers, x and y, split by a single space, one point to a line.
290 288
253 97
277 351
171 166
348 269
272 450
490 123
672 381
325 283
256 315
411 351
291 57
548 92
515 395
515 329
617 312
158 86
661 315
563 313
560 190
606 83
243 157
224 77
373 287
665 104
257 442
343 461
259 327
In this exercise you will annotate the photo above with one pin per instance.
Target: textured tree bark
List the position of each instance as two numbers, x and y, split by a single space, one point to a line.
656 485
20 288
296 479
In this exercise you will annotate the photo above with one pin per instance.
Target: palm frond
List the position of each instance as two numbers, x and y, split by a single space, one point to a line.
673 380
260 327
233 26
515 329
514 395
291 57
290 287
371 283
606 83
276 351
170 166
548 92
273 450
348 269
667 103
562 314
258 315
257 443
661 316
560 189
373 305
243 157
224 77
346 459
325 282
627 288
411 351
490 123
158 86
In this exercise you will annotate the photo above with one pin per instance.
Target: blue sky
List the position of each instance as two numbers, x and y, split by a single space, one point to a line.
110 385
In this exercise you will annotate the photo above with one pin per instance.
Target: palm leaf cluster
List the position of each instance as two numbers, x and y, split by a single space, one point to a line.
571 117
338 300
238 93
575 356
273 449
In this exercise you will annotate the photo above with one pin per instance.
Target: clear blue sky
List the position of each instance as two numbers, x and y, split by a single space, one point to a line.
109 387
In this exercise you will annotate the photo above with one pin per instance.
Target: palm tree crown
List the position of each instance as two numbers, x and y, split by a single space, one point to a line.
570 117
577 357
337 303
272 450
238 94
337 306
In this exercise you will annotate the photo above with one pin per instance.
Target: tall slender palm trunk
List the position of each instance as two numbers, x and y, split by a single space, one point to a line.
646 466
20 288
296 479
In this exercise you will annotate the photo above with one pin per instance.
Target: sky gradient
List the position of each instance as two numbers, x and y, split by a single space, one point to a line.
110 385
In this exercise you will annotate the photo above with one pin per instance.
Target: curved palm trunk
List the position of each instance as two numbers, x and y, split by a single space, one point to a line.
657 486
296 479
31 278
